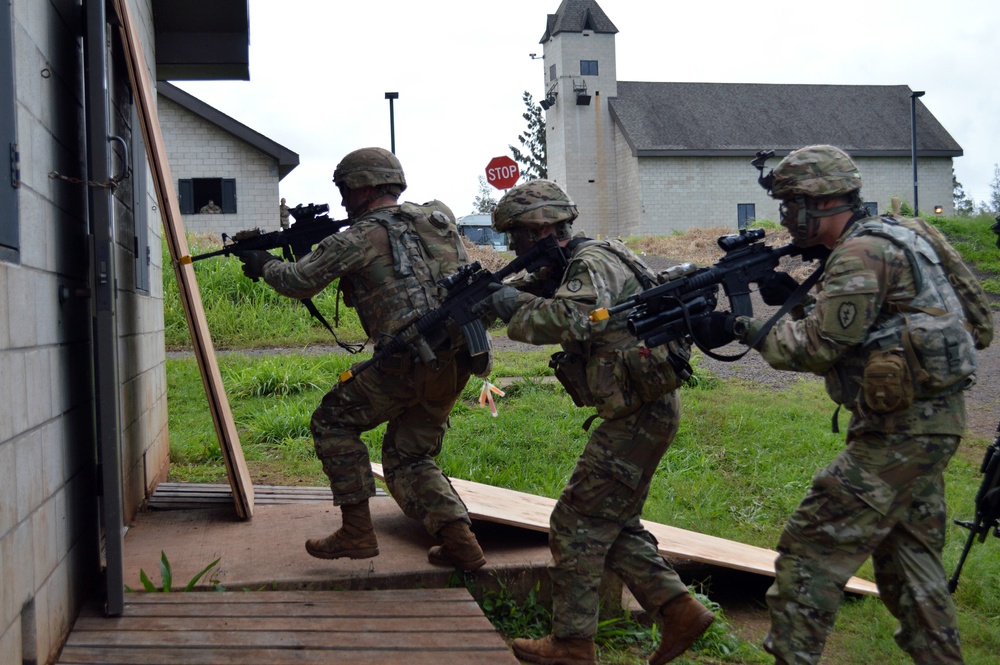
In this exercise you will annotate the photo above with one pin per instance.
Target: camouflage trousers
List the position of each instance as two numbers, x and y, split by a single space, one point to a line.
595 522
883 497
415 400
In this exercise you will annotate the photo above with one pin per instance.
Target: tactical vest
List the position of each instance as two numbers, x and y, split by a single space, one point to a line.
928 333
620 374
426 246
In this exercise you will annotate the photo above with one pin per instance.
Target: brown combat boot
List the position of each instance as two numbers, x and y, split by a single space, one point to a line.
355 539
459 549
682 621
552 650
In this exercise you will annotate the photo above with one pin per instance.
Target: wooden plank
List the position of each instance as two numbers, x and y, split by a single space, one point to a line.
222 417
496 504
403 624
315 598
180 656
416 627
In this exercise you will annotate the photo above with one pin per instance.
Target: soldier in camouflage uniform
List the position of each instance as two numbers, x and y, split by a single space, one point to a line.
595 522
388 262
283 213
883 495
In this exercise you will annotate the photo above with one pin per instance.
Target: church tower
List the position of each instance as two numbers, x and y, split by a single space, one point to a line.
580 78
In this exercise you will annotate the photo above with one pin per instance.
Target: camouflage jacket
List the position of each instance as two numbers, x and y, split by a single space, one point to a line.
619 374
387 272
864 274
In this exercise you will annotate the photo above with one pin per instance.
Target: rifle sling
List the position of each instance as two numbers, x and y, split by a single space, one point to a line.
350 348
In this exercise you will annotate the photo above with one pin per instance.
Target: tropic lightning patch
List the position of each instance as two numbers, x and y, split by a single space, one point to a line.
846 318
847 313
574 285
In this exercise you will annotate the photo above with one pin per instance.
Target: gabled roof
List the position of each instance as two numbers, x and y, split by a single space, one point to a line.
577 16
740 118
287 160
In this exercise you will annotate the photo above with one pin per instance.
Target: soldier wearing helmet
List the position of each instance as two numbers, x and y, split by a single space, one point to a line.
388 263
883 495
595 522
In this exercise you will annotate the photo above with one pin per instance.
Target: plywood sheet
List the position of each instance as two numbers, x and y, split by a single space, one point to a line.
173 228
496 504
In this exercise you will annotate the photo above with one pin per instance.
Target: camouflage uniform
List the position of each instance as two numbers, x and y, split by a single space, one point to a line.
883 495
283 213
595 522
389 291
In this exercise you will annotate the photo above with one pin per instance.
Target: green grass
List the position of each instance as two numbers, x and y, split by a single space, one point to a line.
976 243
738 467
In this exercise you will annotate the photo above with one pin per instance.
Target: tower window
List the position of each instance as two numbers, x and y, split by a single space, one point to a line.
588 68
552 74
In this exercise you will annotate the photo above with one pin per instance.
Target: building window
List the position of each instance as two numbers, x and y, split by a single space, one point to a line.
588 68
552 74
871 208
10 177
745 214
207 195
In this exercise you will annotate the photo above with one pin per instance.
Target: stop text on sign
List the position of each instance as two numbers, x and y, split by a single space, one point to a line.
502 172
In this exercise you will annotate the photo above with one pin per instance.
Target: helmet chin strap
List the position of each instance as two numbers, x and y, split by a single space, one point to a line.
807 231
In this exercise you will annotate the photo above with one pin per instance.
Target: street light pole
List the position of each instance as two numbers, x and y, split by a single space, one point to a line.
392 120
913 145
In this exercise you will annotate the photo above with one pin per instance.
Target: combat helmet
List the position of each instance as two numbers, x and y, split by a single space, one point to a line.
817 171
534 204
375 167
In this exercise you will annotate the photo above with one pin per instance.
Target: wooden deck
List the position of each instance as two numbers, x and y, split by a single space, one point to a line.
416 627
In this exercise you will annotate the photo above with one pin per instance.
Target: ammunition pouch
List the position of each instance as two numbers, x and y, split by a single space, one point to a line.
571 370
887 385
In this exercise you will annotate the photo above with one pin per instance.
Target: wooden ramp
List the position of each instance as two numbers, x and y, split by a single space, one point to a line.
496 504
416 627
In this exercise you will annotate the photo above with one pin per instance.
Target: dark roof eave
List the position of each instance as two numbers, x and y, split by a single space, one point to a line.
287 159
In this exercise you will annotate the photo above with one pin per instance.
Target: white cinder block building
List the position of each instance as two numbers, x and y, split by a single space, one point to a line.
216 158
645 158
83 415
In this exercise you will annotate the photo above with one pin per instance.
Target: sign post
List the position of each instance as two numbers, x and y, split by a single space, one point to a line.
502 172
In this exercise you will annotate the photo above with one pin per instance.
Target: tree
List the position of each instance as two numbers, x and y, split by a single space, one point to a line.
533 160
964 206
994 203
484 203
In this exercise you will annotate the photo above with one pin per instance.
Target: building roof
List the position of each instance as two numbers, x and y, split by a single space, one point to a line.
698 119
577 16
202 41
287 160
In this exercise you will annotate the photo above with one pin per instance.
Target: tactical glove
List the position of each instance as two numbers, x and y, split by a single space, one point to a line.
503 301
777 288
714 330
254 262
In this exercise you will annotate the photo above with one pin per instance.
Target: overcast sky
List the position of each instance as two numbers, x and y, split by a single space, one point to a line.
319 72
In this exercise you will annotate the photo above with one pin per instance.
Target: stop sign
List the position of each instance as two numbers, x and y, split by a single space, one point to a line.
502 172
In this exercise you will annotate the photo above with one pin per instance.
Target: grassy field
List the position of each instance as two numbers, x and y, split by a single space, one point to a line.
739 465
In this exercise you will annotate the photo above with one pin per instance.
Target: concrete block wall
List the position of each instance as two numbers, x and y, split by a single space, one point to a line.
49 550
677 193
580 139
199 149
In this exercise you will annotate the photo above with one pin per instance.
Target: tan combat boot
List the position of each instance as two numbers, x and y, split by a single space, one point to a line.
355 539
682 621
552 650
459 549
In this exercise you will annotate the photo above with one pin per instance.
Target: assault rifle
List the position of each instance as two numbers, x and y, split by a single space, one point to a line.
466 287
666 312
987 507
312 225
